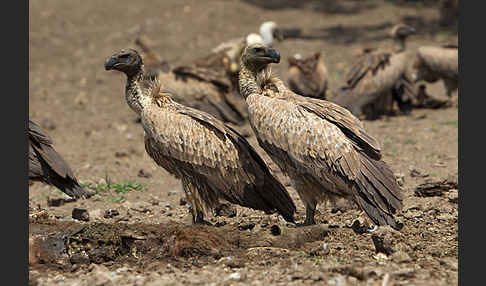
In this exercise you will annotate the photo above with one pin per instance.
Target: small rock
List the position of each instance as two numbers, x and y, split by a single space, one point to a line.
79 258
275 230
57 202
225 210
417 173
182 202
220 223
236 276
144 174
80 214
388 240
110 213
121 154
400 257
453 196
249 226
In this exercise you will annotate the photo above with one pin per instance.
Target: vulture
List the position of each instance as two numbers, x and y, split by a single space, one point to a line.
212 160
432 64
308 76
379 77
321 146
47 166
202 84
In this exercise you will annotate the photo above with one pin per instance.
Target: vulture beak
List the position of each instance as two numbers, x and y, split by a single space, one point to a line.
273 54
110 63
278 34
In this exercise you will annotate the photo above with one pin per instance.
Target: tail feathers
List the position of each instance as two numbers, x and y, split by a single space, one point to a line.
376 215
67 185
379 194
278 197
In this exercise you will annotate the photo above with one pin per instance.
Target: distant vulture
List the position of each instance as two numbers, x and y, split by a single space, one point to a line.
432 64
379 77
308 76
321 146
211 159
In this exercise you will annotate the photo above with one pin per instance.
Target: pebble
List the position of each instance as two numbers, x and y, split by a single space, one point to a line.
80 214
275 230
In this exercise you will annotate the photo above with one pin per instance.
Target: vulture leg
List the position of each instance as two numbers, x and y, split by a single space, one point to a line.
307 195
193 197
199 218
310 212
450 85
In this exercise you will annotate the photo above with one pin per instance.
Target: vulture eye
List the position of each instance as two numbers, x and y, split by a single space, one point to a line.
258 50
124 56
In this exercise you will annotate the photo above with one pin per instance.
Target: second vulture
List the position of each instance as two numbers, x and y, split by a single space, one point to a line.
321 146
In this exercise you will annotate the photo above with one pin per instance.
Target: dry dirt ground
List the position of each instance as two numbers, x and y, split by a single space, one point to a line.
151 241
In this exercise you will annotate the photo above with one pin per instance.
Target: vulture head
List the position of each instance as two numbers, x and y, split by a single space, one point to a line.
127 61
402 31
270 31
257 56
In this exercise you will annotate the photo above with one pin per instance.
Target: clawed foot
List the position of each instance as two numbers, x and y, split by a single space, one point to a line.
199 219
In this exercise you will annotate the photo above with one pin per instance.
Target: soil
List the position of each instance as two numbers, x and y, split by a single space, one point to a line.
144 237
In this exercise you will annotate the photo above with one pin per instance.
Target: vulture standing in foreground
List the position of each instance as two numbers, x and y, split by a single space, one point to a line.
432 64
308 76
47 166
211 159
380 77
321 146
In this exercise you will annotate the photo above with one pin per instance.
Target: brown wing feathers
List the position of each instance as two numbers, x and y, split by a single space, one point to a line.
48 166
265 192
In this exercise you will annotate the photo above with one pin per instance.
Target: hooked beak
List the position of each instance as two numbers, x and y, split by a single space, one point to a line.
278 34
110 63
412 31
273 54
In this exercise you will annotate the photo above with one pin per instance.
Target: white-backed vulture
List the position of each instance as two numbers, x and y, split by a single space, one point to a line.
432 64
47 166
308 76
380 77
211 159
321 146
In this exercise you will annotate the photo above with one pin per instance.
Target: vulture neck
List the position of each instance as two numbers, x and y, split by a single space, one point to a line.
399 45
134 94
249 79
